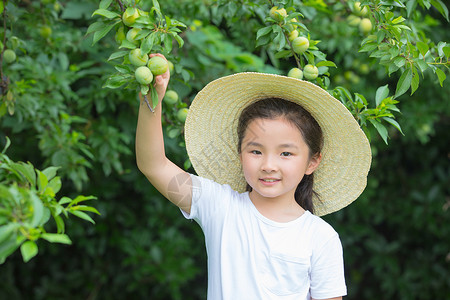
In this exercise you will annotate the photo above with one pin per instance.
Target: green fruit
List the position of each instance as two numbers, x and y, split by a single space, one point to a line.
182 114
353 20
158 65
129 16
293 35
171 97
137 57
9 56
131 35
278 14
143 75
171 67
120 35
310 72
357 9
295 73
365 26
45 31
364 69
300 44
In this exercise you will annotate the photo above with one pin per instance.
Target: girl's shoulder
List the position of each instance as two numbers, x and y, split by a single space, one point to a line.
318 226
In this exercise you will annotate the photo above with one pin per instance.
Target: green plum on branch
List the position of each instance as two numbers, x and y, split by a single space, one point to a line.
137 33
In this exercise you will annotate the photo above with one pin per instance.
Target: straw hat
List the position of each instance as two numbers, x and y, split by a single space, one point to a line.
211 135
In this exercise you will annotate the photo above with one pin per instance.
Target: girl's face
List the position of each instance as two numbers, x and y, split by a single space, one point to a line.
275 158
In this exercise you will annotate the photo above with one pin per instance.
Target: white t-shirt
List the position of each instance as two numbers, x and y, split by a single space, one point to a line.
254 258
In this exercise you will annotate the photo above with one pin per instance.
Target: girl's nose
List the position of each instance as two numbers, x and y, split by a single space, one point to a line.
268 164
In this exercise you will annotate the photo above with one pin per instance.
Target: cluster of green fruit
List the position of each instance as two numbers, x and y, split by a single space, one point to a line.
146 68
171 98
359 18
310 72
299 44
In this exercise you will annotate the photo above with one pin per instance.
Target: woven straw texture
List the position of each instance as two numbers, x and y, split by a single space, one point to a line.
211 137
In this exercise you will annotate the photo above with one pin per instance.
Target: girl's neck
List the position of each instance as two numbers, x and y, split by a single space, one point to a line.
277 209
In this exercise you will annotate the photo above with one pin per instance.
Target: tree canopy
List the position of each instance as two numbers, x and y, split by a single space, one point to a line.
78 220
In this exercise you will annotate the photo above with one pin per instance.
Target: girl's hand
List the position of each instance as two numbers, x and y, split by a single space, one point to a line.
161 81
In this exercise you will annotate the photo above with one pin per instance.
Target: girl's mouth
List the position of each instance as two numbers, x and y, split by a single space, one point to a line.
269 181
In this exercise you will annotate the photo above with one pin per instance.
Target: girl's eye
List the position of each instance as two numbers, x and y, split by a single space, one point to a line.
255 152
286 154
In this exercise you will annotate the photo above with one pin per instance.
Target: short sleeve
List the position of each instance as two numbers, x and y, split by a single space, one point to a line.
327 270
210 201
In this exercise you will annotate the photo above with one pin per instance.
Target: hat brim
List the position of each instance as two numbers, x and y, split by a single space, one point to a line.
211 135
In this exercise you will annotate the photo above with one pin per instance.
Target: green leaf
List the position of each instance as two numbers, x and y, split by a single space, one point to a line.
115 81
82 215
55 184
380 36
95 27
105 4
441 76
29 250
50 172
64 200
179 40
263 31
86 208
394 123
398 20
148 43
124 69
156 5
42 181
8 247
7 230
403 83
263 41
280 40
56 238
440 6
368 47
381 94
38 210
326 63
27 170
60 226
284 53
399 61
8 143
118 54
415 81
421 64
446 51
154 96
144 89
127 44
423 47
105 13
98 35
80 198
382 131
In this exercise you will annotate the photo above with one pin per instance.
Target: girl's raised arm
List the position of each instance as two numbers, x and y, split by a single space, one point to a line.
170 180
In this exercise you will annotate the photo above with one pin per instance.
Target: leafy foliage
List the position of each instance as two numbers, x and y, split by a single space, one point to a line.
65 105
28 202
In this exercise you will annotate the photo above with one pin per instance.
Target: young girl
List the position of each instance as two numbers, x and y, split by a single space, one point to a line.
270 151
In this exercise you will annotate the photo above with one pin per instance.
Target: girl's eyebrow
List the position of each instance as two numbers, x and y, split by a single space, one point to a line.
287 145
255 144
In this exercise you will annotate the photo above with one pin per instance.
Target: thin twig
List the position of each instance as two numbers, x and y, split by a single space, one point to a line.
148 104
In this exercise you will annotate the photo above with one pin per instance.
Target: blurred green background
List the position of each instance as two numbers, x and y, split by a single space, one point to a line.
395 236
